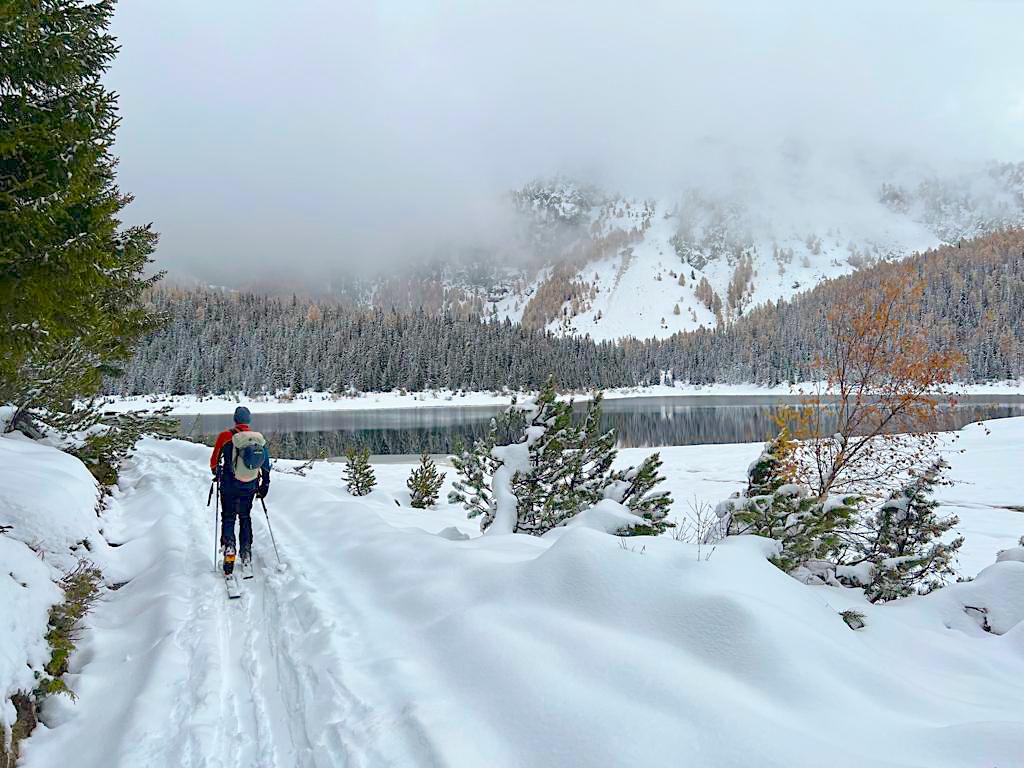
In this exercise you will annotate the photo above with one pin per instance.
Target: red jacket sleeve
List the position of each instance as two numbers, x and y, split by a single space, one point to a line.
222 440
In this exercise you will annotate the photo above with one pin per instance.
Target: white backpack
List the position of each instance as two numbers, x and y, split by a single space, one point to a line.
248 455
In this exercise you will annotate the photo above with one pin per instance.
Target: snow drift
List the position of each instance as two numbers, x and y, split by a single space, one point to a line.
48 503
400 636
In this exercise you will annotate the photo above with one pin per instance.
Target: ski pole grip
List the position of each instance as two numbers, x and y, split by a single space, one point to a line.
209 496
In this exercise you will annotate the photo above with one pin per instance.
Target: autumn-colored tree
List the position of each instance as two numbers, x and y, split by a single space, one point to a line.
874 417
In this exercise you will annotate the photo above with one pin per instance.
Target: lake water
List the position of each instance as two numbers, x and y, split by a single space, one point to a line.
638 422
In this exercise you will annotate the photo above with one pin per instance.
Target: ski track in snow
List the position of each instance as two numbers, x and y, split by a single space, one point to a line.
264 684
274 709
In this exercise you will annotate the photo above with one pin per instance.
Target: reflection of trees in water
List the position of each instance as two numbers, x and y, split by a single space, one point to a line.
669 425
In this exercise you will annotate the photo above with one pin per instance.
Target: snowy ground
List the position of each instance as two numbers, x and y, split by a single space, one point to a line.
367 401
385 644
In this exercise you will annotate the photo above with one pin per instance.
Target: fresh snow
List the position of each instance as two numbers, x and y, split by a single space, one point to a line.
390 638
48 506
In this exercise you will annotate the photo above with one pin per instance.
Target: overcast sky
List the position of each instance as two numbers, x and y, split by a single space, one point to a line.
291 135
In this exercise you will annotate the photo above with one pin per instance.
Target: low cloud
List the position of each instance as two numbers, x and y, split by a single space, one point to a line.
278 138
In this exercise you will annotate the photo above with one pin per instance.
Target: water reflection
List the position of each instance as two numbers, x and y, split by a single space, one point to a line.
647 422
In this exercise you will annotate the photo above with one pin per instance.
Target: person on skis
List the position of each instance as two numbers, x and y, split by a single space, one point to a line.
241 465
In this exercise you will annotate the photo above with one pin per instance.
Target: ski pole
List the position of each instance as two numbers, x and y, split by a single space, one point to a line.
271 529
216 521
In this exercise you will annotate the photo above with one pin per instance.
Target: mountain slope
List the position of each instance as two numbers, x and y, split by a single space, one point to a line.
622 267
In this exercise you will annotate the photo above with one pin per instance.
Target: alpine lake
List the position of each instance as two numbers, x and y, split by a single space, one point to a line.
639 422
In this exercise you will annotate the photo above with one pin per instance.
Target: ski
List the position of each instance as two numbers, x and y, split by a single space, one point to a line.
234 590
247 569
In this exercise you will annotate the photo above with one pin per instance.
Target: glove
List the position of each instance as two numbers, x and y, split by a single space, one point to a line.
263 490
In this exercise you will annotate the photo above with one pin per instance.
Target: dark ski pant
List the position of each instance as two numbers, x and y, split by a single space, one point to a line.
237 504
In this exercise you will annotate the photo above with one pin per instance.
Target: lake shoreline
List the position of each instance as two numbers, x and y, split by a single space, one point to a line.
309 402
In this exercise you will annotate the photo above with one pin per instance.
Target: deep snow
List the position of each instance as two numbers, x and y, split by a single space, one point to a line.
383 643
48 504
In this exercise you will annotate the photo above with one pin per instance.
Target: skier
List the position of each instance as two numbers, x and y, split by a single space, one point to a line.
241 465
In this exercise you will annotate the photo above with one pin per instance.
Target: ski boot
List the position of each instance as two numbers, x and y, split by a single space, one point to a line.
246 558
229 559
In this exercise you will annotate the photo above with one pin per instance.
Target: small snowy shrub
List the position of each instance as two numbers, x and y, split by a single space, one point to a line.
701 526
359 477
635 487
475 467
901 553
808 528
81 590
424 483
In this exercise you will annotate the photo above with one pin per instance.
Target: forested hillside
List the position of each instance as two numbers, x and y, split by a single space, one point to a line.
218 340
972 298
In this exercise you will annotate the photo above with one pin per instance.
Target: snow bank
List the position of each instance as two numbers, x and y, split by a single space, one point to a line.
48 500
26 594
571 650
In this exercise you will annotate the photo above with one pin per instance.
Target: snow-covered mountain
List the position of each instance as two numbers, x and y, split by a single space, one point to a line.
615 266
576 259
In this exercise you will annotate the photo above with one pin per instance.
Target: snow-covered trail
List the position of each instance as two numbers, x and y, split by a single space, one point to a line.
258 682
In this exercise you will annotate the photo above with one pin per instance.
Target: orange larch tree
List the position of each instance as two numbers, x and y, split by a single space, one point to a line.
875 416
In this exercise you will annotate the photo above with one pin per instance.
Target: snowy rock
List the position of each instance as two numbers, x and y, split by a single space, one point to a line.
453 534
1015 554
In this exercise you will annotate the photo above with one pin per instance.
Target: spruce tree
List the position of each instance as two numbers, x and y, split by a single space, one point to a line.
71 278
424 483
359 477
903 547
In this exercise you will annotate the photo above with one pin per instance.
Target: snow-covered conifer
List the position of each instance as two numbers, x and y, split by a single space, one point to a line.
808 528
475 467
593 456
424 483
641 499
546 468
546 495
901 553
773 468
359 477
